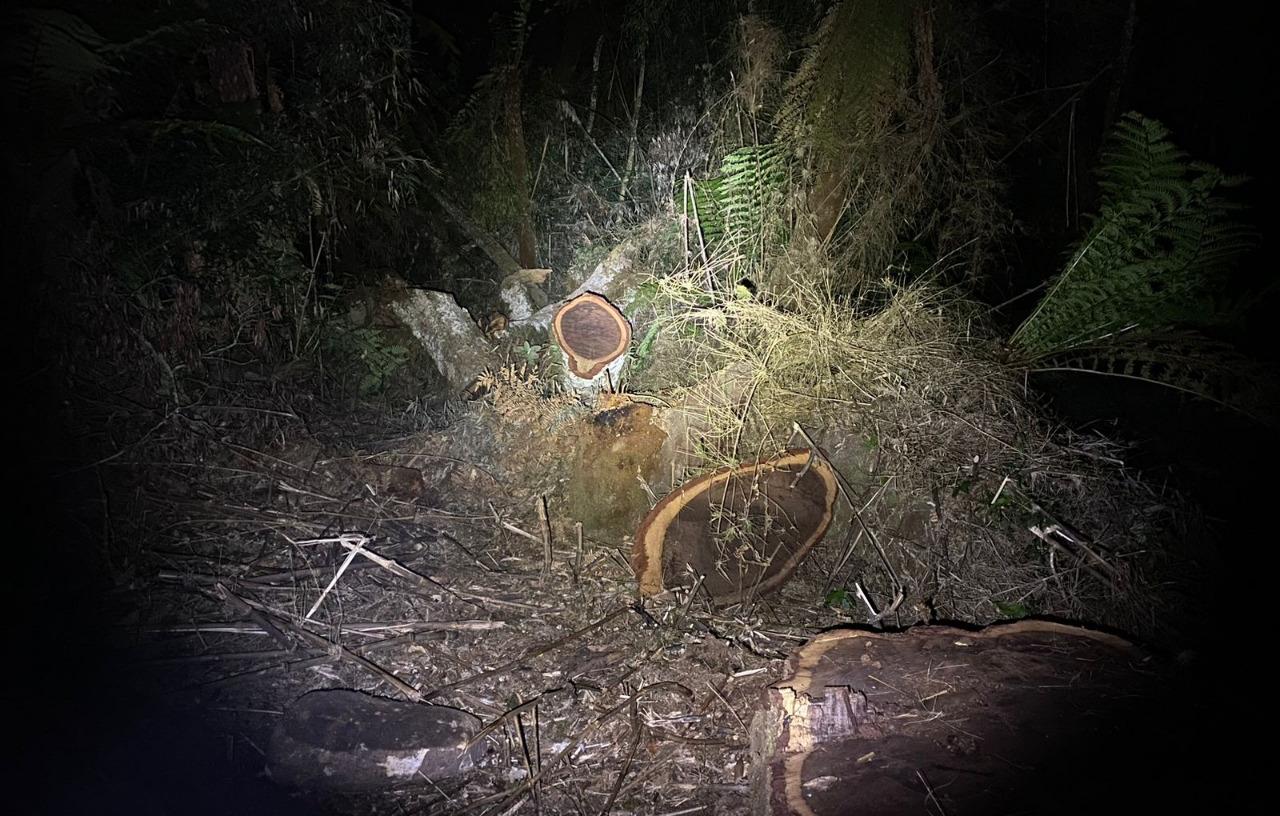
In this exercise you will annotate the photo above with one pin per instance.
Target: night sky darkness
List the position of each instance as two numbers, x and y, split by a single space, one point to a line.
1205 69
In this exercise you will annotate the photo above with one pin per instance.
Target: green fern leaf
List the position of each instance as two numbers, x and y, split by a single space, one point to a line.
1182 361
1162 243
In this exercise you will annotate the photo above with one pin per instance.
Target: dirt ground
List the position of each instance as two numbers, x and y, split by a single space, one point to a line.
469 589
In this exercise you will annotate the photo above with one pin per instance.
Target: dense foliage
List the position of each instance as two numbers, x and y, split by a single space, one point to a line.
241 161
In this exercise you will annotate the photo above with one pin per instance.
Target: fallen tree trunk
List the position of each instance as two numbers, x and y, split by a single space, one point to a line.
879 722
460 351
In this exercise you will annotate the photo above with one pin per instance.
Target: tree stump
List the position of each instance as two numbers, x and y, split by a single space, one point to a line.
594 338
744 529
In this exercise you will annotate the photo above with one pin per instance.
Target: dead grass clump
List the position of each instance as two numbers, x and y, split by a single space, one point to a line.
984 508
519 395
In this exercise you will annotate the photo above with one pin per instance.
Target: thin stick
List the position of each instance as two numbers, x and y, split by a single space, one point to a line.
537 736
371 628
390 565
846 491
721 698
528 761
333 648
274 654
514 529
352 552
520 790
577 554
546 536
534 652
932 797
243 607
638 732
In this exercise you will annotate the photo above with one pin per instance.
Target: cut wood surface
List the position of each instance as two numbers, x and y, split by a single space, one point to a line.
742 529
592 333
977 721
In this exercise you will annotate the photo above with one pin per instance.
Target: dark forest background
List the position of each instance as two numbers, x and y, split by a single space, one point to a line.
198 193
171 235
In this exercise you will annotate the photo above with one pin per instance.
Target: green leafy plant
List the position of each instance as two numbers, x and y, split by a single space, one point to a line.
375 355
841 599
1162 245
860 157
1164 240
749 194
1011 610
529 353
643 353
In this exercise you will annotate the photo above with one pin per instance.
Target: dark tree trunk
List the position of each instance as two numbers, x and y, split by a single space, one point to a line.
513 138
526 239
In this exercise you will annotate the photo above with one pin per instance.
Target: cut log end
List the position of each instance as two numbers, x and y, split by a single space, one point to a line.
745 528
592 333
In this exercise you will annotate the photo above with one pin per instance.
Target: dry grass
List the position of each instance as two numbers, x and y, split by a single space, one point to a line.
519 395
948 460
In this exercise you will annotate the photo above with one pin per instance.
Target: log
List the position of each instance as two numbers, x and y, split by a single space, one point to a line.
447 333
339 740
745 529
1013 718
616 278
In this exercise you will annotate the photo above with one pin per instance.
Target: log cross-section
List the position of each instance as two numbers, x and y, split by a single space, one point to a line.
743 529
592 333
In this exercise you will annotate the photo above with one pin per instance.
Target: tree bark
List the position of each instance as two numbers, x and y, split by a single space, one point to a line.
486 243
1121 70
513 116
595 86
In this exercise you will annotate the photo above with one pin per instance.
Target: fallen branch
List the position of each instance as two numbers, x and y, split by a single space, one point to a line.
534 652
323 643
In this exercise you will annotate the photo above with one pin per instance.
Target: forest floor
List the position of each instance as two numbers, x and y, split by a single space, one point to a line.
590 701
265 544
427 557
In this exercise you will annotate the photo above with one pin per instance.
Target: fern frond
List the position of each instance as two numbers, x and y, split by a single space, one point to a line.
209 131
1183 361
860 53
1163 241
742 206
750 192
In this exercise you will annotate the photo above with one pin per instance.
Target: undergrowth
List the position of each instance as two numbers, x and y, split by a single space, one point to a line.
909 393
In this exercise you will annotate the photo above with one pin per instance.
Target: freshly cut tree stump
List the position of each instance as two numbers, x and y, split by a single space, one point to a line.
743 529
594 337
1022 717
343 741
